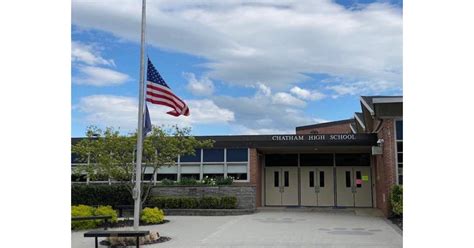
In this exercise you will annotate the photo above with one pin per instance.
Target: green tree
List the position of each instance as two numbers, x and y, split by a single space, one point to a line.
113 155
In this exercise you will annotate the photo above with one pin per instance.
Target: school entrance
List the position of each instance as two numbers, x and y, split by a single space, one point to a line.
318 180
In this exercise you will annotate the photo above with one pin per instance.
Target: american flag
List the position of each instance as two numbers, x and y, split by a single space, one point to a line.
158 92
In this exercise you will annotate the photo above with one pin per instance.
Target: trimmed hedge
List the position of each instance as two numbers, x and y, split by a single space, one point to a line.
225 202
86 211
152 215
95 195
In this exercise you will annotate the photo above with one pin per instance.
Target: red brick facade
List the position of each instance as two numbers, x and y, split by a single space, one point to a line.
256 174
385 169
326 128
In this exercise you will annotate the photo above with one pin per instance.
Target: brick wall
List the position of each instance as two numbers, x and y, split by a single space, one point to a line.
385 166
255 174
331 129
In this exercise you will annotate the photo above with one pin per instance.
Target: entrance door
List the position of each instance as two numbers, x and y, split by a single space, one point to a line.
317 186
281 186
354 186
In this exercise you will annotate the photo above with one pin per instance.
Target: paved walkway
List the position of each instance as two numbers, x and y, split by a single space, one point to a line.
275 228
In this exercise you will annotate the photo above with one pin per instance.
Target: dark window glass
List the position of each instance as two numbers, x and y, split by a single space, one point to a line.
281 160
238 176
361 159
311 179
287 178
172 177
358 179
400 157
400 165
191 158
213 155
147 177
399 130
213 175
400 179
276 179
316 160
78 178
399 146
321 179
237 155
190 176
348 179
76 159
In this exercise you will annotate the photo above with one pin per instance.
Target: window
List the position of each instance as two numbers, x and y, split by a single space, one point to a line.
192 158
238 171
147 177
172 177
348 179
311 179
399 135
190 176
237 155
276 179
321 179
78 178
287 178
190 171
358 179
213 155
213 170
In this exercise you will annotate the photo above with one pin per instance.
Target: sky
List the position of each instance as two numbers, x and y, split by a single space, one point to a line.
243 67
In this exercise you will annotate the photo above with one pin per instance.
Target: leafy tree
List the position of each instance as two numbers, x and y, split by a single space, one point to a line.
113 155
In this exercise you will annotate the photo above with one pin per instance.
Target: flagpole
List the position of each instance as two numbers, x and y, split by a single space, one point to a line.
138 173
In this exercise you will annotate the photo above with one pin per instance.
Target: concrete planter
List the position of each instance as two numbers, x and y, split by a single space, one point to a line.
246 195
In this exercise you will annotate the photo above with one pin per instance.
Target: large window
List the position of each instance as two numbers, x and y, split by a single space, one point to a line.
215 162
399 135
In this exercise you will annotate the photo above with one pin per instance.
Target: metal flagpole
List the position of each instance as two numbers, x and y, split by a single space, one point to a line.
138 174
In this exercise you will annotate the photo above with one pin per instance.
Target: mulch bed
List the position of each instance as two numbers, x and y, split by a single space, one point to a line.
159 240
397 220
125 223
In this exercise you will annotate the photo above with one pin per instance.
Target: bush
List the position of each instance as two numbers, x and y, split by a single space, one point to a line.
167 182
209 203
188 181
224 181
95 195
396 199
226 202
152 215
106 210
82 211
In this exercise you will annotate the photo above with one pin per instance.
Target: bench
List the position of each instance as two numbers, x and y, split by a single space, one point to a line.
96 234
106 219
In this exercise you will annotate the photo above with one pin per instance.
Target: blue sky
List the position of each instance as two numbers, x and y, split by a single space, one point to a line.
243 67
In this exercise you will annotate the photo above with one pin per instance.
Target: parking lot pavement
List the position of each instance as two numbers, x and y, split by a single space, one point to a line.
274 228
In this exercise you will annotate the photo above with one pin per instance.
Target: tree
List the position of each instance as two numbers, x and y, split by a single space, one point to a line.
112 155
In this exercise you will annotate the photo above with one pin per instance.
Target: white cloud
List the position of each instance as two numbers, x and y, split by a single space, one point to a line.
121 111
307 94
98 76
284 98
201 87
88 54
249 41
364 87
263 90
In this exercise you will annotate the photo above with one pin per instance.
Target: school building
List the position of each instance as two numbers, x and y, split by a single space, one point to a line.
345 163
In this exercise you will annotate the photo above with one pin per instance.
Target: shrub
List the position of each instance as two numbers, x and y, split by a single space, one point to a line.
396 199
82 211
188 181
224 181
152 215
95 195
209 203
208 181
106 210
167 182
228 202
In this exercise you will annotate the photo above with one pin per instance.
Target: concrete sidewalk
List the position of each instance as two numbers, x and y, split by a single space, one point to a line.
276 228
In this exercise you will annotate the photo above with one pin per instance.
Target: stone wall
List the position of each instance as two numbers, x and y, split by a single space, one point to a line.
246 195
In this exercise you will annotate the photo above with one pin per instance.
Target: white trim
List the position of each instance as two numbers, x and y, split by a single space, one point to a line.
388 100
360 121
352 128
367 106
